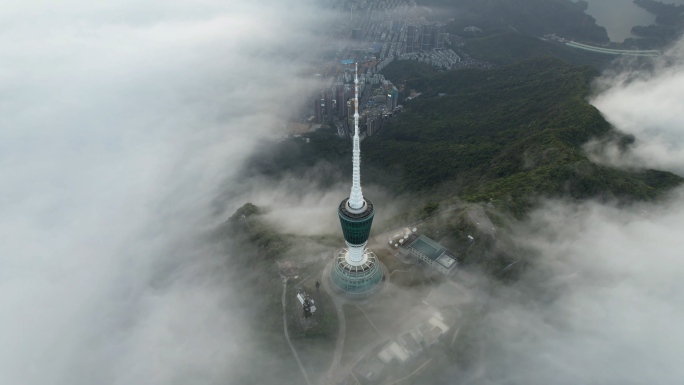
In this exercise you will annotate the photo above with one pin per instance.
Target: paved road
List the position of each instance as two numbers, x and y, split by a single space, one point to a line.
336 371
287 335
651 53
341 328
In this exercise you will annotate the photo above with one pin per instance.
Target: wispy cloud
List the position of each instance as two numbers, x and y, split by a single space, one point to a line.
648 105
601 301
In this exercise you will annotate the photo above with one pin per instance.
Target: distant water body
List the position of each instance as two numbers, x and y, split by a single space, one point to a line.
619 16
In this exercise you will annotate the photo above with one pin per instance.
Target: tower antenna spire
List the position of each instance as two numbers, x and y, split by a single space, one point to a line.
356 201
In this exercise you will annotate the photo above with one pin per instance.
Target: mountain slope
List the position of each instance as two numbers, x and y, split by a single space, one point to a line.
507 134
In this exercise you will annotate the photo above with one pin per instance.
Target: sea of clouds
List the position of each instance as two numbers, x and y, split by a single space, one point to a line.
603 299
119 124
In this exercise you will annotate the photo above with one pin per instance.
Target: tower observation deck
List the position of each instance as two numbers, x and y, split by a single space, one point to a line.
356 270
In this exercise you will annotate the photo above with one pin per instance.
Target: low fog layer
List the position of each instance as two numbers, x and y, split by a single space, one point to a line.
602 302
122 124
120 121
647 105
298 205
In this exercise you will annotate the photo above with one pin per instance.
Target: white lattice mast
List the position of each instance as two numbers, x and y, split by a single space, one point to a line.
356 201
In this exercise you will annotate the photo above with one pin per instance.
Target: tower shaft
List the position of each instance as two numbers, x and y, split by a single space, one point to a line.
356 201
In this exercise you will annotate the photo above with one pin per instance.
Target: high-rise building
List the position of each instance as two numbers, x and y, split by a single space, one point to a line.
350 118
356 271
347 98
410 38
357 34
440 36
328 105
426 37
392 96
341 102
373 123
319 105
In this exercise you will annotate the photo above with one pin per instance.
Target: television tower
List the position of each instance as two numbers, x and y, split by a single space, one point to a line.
357 270
356 204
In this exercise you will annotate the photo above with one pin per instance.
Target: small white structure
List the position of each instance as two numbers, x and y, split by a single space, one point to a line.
391 351
386 356
302 297
438 321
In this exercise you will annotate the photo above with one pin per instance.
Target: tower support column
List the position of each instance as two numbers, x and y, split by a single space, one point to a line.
355 254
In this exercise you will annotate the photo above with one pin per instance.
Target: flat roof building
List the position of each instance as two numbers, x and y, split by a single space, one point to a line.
430 252
391 351
439 324
409 343
430 335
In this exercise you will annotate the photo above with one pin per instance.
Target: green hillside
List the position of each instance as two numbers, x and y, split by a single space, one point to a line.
404 70
506 135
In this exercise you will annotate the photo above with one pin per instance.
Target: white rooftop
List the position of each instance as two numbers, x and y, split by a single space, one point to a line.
393 349
434 321
446 260
386 356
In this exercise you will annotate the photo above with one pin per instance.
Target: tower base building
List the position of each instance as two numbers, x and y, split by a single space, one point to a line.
356 281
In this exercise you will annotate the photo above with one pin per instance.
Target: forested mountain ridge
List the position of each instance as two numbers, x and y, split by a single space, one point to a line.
508 135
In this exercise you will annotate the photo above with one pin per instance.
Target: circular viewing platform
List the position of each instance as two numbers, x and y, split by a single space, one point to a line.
344 211
357 281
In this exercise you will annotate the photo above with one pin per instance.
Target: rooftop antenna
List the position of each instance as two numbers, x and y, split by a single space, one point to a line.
356 201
